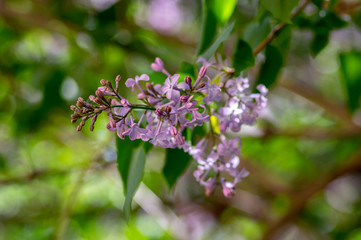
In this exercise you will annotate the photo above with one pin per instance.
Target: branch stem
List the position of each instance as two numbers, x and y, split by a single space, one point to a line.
277 29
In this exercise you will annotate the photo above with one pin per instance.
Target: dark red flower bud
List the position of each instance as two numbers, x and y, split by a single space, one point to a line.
167 109
183 98
188 81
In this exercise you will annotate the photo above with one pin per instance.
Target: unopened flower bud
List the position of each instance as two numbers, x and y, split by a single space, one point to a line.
98 101
92 98
158 65
99 94
202 72
118 78
73 108
102 82
150 87
79 127
94 118
80 102
159 112
108 84
179 138
173 131
117 81
183 99
141 96
188 81
167 109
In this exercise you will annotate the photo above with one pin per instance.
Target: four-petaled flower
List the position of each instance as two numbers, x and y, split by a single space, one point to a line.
131 82
170 88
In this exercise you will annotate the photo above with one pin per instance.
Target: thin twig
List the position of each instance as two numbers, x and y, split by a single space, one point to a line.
277 29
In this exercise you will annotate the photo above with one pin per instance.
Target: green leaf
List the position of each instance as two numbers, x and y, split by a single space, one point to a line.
319 42
356 18
213 48
223 9
256 32
157 77
125 149
280 9
351 72
175 163
283 40
135 175
187 68
322 28
271 67
208 27
243 57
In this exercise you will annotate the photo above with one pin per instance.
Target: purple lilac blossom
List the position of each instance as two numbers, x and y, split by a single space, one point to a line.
170 108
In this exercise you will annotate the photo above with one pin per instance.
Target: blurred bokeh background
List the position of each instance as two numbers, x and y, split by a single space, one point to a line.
304 154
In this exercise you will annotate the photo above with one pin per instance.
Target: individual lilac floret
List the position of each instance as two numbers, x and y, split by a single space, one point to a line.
158 65
132 82
170 88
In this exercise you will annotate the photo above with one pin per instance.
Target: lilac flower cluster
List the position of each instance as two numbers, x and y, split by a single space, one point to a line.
166 110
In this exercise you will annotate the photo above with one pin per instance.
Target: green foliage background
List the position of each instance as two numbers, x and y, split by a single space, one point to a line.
304 154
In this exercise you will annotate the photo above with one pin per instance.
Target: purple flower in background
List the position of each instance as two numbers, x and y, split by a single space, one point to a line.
234 107
213 94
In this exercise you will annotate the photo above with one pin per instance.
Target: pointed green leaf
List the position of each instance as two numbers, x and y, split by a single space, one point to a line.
186 68
243 57
208 27
223 9
135 175
351 71
175 163
280 9
271 67
319 42
125 149
213 48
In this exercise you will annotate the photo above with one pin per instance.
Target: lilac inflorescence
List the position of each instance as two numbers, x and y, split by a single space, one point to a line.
167 110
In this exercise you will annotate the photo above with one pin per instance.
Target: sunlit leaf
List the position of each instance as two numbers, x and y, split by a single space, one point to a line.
213 48
223 9
175 163
351 72
243 57
134 178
